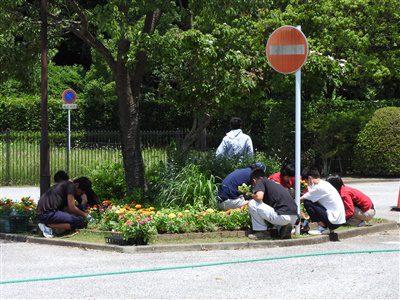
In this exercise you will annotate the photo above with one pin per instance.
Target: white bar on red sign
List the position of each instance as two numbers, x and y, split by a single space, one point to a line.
287 50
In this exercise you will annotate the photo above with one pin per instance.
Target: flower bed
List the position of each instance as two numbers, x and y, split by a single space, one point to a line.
15 215
134 221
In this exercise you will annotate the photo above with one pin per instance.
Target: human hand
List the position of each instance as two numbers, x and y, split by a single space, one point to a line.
248 196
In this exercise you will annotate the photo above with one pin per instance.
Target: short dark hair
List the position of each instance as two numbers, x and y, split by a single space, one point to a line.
84 184
257 173
60 176
310 171
336 181
236 123
288 170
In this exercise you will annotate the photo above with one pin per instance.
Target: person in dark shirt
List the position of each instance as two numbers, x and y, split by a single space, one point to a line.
229 196
89 198
272 203
60 176
56 208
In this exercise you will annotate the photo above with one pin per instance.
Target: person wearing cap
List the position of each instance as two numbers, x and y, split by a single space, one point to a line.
56 208
235 143
358 207
273 204
229 196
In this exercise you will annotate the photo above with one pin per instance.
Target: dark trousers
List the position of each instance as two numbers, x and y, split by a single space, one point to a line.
318 213
61 217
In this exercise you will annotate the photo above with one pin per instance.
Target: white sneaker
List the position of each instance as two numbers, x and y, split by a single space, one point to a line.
47 231
319 230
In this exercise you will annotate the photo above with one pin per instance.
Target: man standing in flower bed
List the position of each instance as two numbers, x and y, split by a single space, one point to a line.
56 208
272 203
229 196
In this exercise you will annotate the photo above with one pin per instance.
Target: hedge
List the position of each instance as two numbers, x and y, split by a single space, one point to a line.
378 145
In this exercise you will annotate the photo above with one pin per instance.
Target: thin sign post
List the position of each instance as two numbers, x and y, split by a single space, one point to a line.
287 50
69 98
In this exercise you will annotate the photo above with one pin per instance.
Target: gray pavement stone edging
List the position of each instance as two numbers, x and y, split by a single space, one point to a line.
203 246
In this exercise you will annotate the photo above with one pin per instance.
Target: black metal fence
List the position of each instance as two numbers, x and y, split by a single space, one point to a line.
20 152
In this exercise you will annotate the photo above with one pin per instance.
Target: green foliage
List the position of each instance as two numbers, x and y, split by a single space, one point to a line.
23 113
108 180
222 166
378 147
130 218
187 186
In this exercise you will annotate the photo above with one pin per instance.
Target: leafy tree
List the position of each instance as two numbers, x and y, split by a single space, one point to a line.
117 31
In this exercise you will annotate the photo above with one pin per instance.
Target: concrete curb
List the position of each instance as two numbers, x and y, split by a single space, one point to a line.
206 246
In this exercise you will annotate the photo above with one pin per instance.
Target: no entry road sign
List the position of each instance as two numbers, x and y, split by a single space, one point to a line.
287 49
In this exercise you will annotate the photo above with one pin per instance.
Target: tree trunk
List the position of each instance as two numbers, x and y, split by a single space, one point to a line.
44 141
200 122
130 130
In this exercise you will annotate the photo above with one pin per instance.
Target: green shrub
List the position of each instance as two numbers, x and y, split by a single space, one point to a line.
378 144
188 186
219 167
108 180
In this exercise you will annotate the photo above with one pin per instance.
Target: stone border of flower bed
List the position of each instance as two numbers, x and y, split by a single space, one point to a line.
204 246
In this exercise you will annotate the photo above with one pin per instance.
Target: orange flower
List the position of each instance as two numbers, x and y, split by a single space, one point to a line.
137 217
137 206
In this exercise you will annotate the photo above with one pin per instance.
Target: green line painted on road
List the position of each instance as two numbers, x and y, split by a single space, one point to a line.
198 266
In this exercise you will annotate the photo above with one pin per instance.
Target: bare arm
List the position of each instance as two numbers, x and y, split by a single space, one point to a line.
72 207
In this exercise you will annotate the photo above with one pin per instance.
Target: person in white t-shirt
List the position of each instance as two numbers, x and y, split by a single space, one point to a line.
322 202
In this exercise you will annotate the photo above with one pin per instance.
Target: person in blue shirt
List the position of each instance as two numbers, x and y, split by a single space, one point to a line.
229 196
235 143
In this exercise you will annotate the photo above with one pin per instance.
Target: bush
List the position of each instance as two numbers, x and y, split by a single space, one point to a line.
378 147
188 186
108 180
220 167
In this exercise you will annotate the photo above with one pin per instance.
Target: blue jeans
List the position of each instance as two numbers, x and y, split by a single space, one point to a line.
318 213
61 217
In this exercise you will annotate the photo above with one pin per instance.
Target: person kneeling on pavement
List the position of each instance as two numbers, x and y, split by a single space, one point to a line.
56 208
322 203
271 203
358 207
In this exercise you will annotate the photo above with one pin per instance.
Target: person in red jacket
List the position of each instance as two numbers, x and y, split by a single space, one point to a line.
285 177
358 206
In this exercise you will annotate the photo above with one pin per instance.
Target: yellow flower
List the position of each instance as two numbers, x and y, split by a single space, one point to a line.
151 208
180 215
120 211
210 210
137 206
171 216
186 210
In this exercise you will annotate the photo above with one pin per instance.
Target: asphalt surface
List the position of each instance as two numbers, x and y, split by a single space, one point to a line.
347 276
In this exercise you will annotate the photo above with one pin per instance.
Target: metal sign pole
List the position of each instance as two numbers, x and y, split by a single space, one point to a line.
68 140
298 142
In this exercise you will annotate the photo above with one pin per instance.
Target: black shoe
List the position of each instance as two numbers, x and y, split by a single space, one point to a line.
285 232
274 233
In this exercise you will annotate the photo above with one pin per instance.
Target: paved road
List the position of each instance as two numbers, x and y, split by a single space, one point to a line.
384 194
362 275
